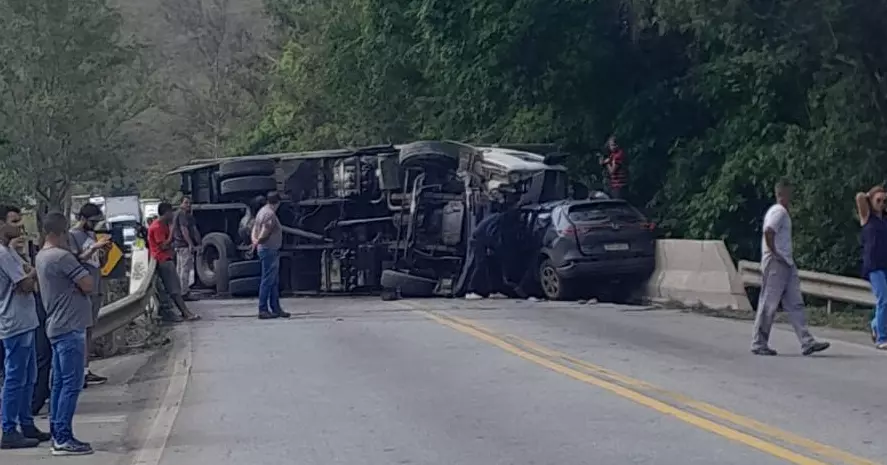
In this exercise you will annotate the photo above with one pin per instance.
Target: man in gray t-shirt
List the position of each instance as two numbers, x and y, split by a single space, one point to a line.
267 239
185 241
68 307
87 247
18 324
65 288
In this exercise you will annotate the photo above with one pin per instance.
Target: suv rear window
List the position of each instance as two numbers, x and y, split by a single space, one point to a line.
605 211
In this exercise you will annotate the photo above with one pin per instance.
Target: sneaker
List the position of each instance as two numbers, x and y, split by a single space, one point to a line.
473 296
766 351
16 440
267 316
881 346
816 347
282 314
32 432
71 447
92 378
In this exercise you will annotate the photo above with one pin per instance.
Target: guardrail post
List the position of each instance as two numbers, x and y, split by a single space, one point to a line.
828 307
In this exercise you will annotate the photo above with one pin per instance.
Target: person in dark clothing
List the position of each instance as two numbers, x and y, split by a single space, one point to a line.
44 362
871 208
483 264
617 168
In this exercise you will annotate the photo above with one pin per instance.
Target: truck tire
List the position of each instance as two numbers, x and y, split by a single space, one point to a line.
430 154
247 186
241 168
244 287
408 285
211 265
244 269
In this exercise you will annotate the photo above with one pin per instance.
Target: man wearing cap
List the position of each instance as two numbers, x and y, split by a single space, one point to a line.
86 246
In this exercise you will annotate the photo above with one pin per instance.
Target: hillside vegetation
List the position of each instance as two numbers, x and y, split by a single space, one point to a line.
714 100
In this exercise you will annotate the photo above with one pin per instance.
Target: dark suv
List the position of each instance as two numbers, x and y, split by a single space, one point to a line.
604 248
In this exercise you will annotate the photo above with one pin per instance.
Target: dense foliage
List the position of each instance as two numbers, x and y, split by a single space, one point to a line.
714 101
68 84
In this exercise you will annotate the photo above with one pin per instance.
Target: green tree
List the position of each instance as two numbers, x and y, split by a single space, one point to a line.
68 84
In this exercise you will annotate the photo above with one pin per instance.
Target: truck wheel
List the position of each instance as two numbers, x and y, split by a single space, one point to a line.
211 265
408 285
554 286
247 186
244 269
241 168
244 287
432 154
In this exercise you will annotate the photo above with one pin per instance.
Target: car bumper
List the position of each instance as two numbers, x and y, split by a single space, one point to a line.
635 266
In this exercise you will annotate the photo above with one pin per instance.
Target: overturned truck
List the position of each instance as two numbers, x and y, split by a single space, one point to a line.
360 220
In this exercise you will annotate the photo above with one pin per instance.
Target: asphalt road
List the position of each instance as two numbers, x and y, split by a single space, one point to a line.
361 381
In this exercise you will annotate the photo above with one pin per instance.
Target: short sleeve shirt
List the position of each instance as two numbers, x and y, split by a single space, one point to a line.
267 217
67 307
158 233
80 241
18 310
777 219
183 219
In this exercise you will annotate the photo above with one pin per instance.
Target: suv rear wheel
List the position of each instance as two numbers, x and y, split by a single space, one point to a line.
554 286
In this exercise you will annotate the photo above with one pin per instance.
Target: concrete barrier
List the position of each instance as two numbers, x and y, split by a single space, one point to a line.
694 273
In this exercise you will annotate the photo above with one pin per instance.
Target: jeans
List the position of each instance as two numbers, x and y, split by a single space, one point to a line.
269 288
879 288
68 351
21 374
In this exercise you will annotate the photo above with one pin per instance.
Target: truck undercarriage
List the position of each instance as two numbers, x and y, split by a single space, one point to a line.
360 221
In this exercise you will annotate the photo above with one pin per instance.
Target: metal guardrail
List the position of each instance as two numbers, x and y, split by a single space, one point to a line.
833 288
122 312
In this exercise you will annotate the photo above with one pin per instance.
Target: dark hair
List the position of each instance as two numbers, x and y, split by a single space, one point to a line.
164 208
273 198
783 184
184 198
9 232
5 210
88 210
55 223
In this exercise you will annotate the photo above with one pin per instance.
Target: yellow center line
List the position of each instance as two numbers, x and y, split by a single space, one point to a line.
545 360
764 429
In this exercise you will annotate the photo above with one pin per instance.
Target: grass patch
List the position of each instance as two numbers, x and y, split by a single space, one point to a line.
853 320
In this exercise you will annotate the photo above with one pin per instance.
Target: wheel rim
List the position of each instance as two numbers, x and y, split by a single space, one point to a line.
210 257
549 281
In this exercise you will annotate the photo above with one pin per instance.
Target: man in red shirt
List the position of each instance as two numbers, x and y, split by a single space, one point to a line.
617 168
160 249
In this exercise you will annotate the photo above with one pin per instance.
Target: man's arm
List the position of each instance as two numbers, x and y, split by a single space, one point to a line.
12 267
261 232
773 224
163 241
862 208
86 254
183 228
73 270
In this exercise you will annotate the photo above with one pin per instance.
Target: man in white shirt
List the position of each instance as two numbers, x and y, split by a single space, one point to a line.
780 282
